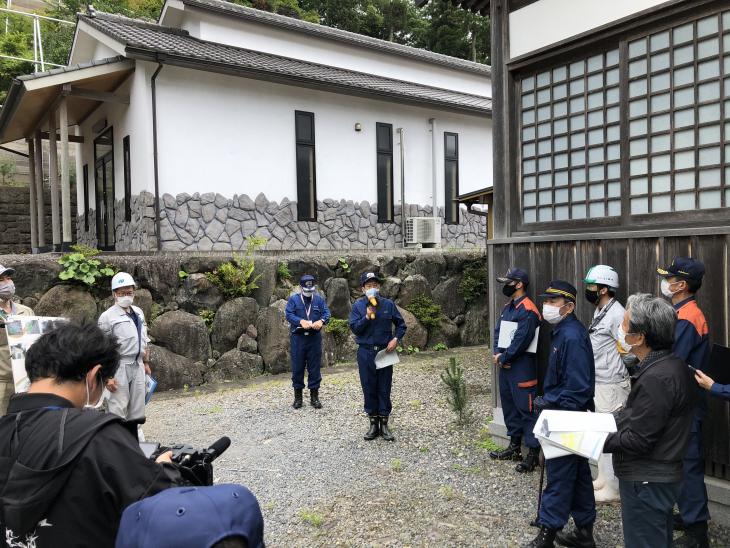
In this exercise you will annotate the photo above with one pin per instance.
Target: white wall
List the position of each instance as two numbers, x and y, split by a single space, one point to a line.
228 29
232 135
549 21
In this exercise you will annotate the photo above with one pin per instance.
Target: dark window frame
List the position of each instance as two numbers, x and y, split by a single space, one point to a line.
385 187
306 211
127 164
101 197
451 210
86 196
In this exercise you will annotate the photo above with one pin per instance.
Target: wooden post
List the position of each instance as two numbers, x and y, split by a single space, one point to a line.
65 180
33 205
39 190
53 179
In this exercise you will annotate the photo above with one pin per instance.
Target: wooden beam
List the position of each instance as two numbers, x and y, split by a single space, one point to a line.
71 138
33 204
38 158
103 96
65 179
53 180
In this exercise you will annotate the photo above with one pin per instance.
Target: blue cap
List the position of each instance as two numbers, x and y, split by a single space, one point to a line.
307 280
192 517
516 275
559 288
684 267
365 277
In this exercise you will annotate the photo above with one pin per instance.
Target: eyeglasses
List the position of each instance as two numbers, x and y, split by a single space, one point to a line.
129 293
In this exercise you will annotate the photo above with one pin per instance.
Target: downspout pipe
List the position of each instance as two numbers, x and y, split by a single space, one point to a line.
434 176
402 187
153 83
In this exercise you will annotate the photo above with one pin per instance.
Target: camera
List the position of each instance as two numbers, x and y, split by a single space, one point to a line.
195 464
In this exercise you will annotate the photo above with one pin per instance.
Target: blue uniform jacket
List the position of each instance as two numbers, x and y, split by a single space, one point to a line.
721 391
692 344
377 332
296 311
525 313
571 372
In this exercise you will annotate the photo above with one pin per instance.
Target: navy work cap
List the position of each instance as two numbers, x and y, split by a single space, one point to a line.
514 275
307 280
684 267
559 288
367 276
192 517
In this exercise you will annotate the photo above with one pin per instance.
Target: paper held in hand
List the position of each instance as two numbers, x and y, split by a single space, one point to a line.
507 333
386 359
563 433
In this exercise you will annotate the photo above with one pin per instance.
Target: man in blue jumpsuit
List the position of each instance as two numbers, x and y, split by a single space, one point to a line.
568 386
306 313
517 370
371 320
681 280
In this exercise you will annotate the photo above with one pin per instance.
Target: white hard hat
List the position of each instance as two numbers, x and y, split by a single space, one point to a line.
602 275
122 279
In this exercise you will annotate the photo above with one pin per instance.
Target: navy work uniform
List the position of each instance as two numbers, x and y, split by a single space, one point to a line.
372 336
517 372
306 343
569 386
692 344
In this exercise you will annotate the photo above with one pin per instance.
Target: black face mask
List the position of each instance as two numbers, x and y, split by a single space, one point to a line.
509 290
592 296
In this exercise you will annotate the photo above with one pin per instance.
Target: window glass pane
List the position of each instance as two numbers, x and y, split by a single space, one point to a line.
683 55
577 176
561 143
639 186
637 87
560 161
578 158
684 97
684 76
560 109
577 104
595 81
661 204
528 150
684 160
709 135
595 136
614 190
559 74
660 143
710 177
528 83
595 118
560 92
612 96
528 100
683 33
612 58
543 113
708 92
528 166
545 197
710 199
528 199
595 62
707 26
528 116
660 123
578 140
562 195
637 68
684 118
708 48
684 201
578 194
660 102
543 96
543 79
560 126
543 130
638 47
612 114
561 178
613 152
577 86
659 41
543 164
595 173
612 77
660 61
577 122
595 155
614 208
545 181
660 163
528 133
578 211
613 133
708 113
637 108
709 156
637 127
661 183
660 82
596 210
613 171
595 100
727 132
529 215
544 147
708 69
637 147
684 180
528 183
638 166
562 213
545 214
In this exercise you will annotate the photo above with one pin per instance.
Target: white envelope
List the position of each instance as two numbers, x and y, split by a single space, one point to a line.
386 359
507 333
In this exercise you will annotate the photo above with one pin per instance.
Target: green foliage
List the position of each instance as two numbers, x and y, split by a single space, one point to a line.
340 329
453 378
7 171
182 274
343 266
311 517
282 272
396 465
426 311
80 266
208 317
236 278
412 350
473 283
440 346
155 311
85 250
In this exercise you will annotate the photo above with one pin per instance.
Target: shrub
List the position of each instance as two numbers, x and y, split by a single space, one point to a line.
426 311
282 272
208 317
473 282
182 274
343 267
440 346
340 329
236 278
81 266
453 378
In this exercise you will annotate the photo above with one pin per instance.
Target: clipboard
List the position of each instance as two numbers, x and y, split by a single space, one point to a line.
507 333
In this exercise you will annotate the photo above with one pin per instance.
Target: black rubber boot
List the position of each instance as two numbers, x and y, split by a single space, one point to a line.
580 537
387 436
544 539
695 536
297 398
530 462
374 429
512 452
314 398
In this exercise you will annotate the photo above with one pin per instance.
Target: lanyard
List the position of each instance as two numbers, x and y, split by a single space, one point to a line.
600 317
307 311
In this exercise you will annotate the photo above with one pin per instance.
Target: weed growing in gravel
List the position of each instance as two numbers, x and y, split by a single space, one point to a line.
270 505
396 465
211 411
453 378
486 442
440 346
415 404
423 449
447 492
312 517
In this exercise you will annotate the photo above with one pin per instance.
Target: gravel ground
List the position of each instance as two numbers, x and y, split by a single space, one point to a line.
320 484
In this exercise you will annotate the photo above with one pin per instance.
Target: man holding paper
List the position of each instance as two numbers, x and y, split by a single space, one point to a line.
514 355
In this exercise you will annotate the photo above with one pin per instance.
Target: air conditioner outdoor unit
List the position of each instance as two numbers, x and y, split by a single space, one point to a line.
423 230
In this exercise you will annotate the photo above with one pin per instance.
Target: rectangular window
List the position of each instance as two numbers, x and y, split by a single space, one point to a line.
105 191
451 177
86 197
384 145
127 180
306 172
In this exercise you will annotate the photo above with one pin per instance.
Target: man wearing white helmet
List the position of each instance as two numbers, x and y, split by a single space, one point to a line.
126 323
612 378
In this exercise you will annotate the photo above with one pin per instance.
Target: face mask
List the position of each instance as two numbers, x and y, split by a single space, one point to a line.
308 291
622 339
509 290
125 302
100 401
551 313
668 293
7 290
592 296
372 292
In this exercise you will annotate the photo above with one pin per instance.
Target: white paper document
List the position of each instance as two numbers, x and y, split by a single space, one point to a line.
564 432
507 333
386 359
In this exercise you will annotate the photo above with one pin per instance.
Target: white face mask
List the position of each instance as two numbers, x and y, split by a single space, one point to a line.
100 401
552 314
622 339
7 290
308 291
371 292
665 285
125 301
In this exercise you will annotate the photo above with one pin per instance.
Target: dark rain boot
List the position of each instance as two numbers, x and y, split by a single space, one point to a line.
512 452
384 432
297 398
580 537
530 462
695 536
374 429
314 398
544 538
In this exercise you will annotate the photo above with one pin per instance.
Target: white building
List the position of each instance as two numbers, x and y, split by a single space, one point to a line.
220 121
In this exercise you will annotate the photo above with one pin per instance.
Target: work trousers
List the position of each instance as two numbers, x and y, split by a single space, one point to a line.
569 492
306 353
376 383
128 400
646 513
517 390
692 499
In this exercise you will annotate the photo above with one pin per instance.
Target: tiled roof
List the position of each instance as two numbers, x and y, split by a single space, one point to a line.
330 33
150 41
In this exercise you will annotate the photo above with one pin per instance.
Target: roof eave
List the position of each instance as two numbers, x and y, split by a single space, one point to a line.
12 101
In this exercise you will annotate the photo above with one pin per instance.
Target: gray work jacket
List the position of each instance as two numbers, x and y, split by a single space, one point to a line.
115 321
